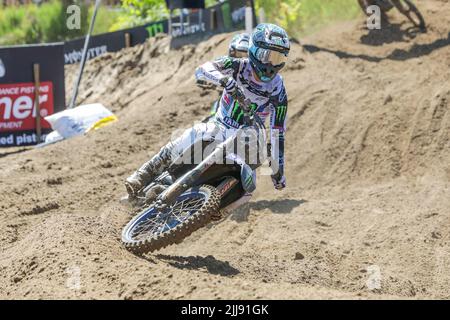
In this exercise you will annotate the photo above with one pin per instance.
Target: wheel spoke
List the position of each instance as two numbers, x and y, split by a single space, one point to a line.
169 218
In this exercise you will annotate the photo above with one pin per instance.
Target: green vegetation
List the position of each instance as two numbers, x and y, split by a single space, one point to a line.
105 20
304 16
47 22
138 12
297 16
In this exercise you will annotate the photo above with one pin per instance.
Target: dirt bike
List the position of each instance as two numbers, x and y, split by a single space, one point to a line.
406 7
186 197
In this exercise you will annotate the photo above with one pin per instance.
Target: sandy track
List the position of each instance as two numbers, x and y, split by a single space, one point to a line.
367 167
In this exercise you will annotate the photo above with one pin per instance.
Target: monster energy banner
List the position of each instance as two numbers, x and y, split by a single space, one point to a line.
225 16
199 25
180 4
234 14
112 42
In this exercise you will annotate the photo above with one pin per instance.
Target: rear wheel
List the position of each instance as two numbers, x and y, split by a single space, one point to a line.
384 5
363 5
408 9
153 229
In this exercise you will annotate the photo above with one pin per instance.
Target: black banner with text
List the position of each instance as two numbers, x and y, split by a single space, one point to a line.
112 41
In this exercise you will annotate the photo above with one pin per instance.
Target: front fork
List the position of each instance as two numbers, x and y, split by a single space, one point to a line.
188 180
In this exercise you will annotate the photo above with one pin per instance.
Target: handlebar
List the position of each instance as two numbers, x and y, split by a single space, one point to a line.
239 96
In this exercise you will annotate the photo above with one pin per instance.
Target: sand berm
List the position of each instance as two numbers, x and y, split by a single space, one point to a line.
366 213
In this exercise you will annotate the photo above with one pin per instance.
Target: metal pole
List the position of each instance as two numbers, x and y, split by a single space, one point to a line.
248 20
83 57
212 20
262 15
37 107
170 22
127 40
181 22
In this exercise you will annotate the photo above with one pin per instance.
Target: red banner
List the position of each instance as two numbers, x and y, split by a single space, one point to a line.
17 109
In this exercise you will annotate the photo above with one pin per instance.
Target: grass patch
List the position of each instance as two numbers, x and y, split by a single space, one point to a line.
317 14
106 17
31 23
47 22
300 17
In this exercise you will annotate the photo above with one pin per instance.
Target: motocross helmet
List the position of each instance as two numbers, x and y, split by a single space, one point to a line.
239 46
268 50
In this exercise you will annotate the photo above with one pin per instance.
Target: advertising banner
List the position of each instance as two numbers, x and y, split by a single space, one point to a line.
236 14
227 16
18 112
180 4
112 41
17 91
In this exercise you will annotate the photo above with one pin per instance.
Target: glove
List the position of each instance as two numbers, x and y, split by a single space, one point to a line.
201 83
229 84
279 182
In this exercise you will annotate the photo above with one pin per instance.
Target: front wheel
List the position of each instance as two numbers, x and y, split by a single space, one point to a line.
153 229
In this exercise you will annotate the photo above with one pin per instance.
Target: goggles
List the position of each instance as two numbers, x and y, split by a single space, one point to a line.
272 57
240 54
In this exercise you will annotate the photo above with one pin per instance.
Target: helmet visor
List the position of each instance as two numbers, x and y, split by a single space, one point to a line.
240 54
267 56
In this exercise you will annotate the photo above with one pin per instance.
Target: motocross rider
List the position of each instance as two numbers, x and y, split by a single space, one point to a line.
238 48
258 78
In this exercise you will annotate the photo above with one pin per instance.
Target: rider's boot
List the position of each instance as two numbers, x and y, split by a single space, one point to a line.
149 170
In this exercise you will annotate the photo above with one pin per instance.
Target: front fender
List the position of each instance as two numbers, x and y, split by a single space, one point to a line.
248 175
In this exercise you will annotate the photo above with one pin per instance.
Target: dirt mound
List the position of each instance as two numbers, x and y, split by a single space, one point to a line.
366 212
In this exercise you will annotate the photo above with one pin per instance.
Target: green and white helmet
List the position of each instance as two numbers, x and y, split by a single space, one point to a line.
268 50
239 46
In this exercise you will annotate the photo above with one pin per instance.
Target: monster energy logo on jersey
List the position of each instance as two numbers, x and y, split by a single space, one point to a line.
238 113
281 113
227 63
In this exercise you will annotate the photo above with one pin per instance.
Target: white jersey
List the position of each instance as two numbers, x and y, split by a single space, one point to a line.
268 99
